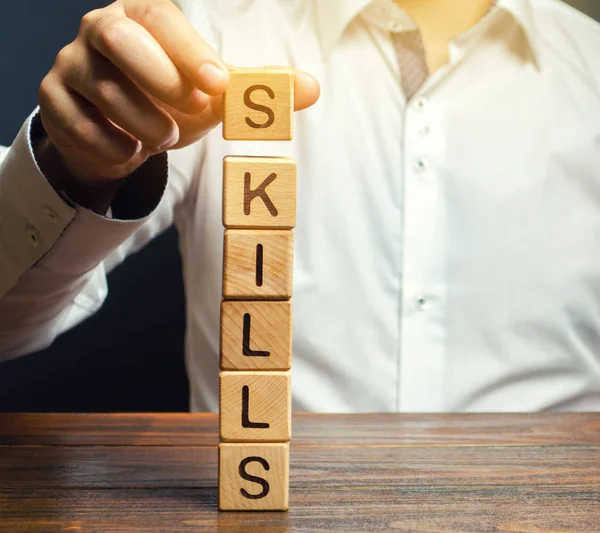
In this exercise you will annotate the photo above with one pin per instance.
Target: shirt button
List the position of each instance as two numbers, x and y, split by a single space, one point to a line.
421 165
420 103
33 236
51 214
420 301
393 26
424 132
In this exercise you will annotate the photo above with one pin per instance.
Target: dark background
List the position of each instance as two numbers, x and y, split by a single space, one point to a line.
129 356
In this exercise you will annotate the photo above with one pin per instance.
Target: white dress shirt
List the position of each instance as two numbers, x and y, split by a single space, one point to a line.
447 251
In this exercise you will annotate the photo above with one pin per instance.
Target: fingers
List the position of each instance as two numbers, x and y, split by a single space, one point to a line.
194 126
181 42
306 93
79 130
134 34
117 98
137 80
134 51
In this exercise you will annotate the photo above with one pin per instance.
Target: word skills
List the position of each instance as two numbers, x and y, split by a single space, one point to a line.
259 214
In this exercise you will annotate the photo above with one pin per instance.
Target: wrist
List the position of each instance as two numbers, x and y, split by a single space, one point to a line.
93 194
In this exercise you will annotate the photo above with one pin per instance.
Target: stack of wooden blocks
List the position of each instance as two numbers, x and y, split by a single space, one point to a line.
259 212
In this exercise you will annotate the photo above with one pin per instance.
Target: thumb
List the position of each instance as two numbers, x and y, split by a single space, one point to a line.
306 90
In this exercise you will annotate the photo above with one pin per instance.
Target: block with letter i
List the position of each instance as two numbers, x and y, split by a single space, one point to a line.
259 214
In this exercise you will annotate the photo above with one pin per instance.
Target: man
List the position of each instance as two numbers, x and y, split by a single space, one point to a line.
448 221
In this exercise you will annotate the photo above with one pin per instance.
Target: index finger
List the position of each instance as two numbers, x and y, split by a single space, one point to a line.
179 39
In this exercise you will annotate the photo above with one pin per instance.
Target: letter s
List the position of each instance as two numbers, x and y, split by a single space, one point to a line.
258 107
255 479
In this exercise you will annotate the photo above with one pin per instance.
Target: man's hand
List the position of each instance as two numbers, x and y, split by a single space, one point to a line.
137 80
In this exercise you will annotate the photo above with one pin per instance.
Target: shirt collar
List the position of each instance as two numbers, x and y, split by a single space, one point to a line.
522 11
333 16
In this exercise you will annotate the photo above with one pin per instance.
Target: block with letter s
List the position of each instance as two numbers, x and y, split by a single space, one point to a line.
259 104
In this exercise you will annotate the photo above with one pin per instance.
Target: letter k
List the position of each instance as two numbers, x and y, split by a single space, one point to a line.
260 191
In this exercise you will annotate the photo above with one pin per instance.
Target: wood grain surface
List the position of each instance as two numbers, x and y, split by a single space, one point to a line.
349 473
268 406
260 326
259 192
259 104
241 278
265 469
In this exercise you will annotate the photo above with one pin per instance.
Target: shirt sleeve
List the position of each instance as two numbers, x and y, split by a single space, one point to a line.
53 253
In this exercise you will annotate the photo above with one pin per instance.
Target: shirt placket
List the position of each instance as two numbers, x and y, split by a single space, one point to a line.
421 365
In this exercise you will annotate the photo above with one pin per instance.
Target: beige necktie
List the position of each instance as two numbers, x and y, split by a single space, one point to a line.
412 61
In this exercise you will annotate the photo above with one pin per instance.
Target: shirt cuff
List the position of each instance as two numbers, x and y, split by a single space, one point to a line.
39 225
32 214
90 237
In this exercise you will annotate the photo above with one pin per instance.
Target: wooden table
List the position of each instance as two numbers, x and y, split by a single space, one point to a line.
349 473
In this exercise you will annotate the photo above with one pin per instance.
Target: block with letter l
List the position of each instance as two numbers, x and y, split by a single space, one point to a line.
256 335
255 406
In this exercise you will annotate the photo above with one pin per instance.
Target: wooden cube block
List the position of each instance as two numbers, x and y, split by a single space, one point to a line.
254 477
255 406
258 264
256 335
259 192
259 104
